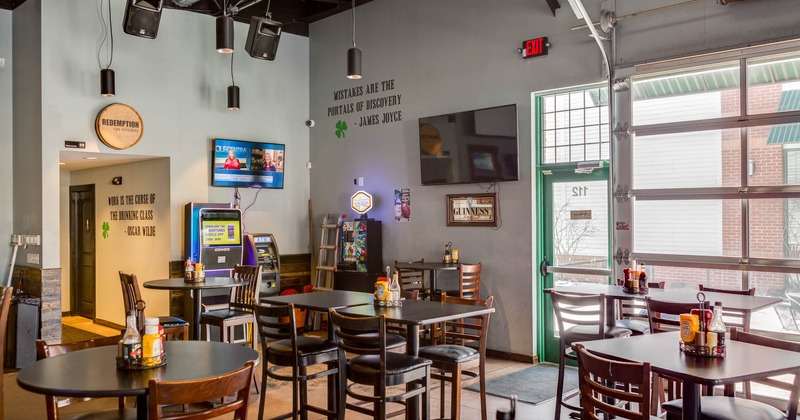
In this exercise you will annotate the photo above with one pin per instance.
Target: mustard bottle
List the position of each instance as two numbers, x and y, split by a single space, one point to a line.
690 324
381 290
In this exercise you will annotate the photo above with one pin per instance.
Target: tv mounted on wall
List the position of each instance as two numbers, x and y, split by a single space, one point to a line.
238 163
469 147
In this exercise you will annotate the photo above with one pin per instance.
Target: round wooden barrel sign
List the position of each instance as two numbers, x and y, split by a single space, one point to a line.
119 126
430 141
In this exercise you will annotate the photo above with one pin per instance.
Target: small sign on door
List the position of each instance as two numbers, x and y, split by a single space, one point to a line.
580 215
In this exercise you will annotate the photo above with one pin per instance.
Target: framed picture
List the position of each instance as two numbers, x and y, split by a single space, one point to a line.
472 209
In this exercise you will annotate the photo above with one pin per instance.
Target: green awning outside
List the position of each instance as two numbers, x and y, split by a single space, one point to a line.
716 80
786 133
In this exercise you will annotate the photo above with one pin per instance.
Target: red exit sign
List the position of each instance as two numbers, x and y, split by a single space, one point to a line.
535 47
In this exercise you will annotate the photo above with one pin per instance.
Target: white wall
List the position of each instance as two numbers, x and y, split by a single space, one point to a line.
450 55
6 136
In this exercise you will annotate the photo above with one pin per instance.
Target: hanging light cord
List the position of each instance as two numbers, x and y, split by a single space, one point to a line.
107 32
353 8
232 82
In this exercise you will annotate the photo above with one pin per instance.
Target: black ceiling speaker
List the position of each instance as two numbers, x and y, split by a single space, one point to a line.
262 38
142 18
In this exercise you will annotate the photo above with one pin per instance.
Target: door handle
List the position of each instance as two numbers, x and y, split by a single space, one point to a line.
543 267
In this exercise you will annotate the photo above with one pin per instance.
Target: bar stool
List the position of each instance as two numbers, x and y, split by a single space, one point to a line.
174 328
240 308
469 282
633 312
588 315
410 278
292 351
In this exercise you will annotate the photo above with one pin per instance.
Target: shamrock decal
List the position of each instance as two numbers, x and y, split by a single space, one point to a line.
105 230
341 127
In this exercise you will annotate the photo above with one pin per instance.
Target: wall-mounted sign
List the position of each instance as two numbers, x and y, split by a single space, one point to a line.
472 209
580 215
361 202
119 126
535 47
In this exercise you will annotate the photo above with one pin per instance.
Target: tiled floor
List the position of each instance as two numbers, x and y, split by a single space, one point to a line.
20 404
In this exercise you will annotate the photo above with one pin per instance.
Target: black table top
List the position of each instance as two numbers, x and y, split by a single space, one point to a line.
322 300
93 372
729 301
429 266
180 284
743 361
418 312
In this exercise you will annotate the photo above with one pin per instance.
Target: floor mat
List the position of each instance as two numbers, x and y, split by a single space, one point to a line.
533 385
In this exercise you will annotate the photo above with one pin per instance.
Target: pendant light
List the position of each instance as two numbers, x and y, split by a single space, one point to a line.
354 54
107 85
233 92
225 32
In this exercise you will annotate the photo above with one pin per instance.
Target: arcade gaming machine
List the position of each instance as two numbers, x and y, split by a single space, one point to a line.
361 256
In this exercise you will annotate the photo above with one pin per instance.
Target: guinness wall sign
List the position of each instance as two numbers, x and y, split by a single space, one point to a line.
119 126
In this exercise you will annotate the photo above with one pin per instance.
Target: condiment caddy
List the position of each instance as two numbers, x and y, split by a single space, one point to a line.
194 272
703 331
635 282
135 351
387 290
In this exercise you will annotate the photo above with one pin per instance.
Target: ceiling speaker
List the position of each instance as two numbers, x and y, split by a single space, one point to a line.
263 37
142 18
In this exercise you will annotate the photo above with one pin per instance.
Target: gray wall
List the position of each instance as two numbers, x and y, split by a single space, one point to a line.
450 55
6 136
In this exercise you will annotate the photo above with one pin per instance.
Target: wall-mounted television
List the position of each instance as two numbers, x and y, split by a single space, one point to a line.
238 163
469 147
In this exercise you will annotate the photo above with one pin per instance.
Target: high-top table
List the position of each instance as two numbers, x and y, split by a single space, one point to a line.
743 303
431 267
197 289
92 372
742 362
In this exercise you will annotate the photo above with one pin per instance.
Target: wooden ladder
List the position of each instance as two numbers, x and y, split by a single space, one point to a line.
328 257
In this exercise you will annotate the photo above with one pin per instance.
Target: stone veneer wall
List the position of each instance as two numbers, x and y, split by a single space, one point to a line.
45 284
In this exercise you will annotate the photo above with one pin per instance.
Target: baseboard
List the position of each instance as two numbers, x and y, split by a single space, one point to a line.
109 324
524 358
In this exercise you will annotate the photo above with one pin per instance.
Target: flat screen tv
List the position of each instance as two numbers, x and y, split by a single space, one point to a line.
238 163
469 147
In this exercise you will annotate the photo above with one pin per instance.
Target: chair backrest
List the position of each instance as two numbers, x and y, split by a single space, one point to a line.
276 323
469 285
196 391
595 373
579 310
245 297
732 317
132 297
794 386
5 303
665 316
410 278
360 335
400 329
635 308
470 329
44 350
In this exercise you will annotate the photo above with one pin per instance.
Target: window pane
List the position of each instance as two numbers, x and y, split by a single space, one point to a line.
548 104
688 160
549 138
688 227
575 119
775 228
689 95
773 84
785 316
692 278
773 155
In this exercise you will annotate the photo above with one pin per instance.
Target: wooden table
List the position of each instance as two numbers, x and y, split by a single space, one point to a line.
432 267
197 288
743 361
93 373
414 314
744 303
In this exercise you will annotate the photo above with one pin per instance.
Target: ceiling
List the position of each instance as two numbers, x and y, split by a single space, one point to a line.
296 15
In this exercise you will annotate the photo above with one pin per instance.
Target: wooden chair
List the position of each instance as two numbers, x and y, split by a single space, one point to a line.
287 349
730 407
734 318
410 279
5 304
240 308
631 387
664 317
450 361
54 402
587 314
633 312
469 282
374 367
174 328
198 391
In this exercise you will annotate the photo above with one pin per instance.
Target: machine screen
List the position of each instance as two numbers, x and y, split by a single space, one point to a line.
220 232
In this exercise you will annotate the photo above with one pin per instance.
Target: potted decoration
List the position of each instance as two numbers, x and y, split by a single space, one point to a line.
299 314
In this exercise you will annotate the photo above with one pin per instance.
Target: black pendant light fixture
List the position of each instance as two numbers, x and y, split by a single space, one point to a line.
354 54
107 85
233 92
225 31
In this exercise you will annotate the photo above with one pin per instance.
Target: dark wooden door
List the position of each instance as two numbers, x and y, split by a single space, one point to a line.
82 250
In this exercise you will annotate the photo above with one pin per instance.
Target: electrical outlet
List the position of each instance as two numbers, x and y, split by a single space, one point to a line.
33 258
16 239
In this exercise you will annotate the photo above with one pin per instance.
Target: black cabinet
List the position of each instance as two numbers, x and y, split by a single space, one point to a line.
355 281
22 332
